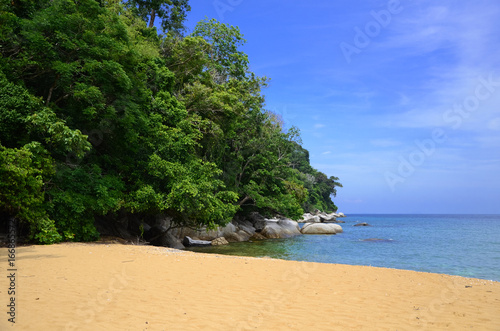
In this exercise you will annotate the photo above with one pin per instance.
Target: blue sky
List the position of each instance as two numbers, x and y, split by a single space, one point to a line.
399 99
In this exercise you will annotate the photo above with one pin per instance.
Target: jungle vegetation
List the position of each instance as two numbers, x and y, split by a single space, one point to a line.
101 113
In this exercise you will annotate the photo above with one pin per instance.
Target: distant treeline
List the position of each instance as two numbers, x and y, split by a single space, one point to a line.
100 115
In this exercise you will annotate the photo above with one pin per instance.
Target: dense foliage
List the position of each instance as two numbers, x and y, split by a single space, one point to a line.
100 115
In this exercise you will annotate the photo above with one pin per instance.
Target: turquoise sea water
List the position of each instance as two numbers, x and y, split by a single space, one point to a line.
464 245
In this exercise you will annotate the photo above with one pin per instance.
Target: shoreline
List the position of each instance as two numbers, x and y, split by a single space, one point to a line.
212 251
105 286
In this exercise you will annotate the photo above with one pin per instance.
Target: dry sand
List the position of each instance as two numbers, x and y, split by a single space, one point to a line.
122 287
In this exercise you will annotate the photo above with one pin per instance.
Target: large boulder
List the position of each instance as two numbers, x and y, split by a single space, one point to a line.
229 229
271 230
205 234
258 221
158 236
321 228
280 228
169 240
290 228
257 236
246 226
237 236
199 234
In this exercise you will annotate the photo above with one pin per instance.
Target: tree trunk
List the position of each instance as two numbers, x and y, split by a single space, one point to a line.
152 19
244 200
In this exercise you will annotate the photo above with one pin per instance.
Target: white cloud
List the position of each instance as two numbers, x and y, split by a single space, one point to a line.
450 48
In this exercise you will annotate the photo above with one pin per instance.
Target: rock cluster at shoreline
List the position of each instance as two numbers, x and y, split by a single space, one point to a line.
253 227
257 227
159 232
321 217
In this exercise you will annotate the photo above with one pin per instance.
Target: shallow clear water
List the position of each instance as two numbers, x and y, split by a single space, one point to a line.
464 245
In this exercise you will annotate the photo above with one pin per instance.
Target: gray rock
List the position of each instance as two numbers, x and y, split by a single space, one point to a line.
321 228
207 235
246 226
271 230
309 218
237 236
171 241
258 221
204 233
188 242
362 224
243 235
219 241
241 230
257 236
290 227
327 217
158 237
280 228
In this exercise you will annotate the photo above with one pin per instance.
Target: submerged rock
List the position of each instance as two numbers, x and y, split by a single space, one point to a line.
377 240
362 224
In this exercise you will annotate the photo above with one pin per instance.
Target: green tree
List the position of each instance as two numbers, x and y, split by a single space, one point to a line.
171 12
101 116
23 174
226 60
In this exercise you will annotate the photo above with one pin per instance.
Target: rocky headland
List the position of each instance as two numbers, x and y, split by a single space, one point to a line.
162 232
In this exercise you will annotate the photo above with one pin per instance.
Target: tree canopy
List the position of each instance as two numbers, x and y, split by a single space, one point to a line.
100 115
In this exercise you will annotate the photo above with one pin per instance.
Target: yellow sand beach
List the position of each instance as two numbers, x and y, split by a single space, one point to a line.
125 287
